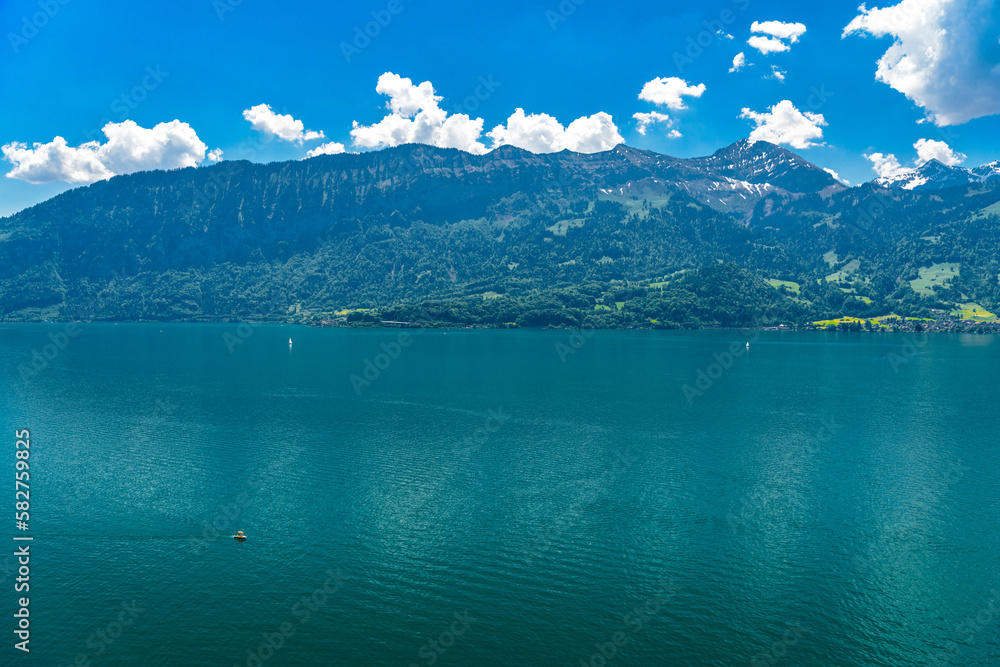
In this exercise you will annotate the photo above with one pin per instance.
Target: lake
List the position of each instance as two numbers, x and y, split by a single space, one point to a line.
533 498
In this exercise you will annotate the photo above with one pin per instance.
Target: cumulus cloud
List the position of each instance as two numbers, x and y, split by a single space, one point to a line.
944 55
784 124
778 73
644 120
129 148
55 161
415 117
887 166
739 61
330 148
768 44
406 99
836 175
132 148
930 149
283 126
214 155
789 31
670 92
541 133
775 36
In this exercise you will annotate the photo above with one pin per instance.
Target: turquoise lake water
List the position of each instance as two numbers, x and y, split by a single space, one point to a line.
503 497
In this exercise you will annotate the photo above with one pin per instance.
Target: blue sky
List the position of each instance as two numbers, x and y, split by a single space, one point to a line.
69 68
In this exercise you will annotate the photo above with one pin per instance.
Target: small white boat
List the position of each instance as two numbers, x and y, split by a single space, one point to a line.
290 342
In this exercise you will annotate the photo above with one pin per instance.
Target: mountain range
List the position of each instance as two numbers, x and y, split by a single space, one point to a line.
935 175
750 235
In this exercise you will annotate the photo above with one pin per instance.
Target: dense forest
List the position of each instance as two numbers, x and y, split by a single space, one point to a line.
751 236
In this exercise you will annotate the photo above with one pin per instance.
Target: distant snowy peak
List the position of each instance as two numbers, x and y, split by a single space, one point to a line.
763 162
933 175
987 172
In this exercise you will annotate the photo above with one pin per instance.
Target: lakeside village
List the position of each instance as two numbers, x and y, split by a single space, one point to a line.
883 324
893 323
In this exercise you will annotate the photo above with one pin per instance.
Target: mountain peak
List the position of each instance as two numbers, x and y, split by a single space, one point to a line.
935 175
763 162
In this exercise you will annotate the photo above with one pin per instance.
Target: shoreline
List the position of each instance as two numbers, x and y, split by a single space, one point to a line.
968 327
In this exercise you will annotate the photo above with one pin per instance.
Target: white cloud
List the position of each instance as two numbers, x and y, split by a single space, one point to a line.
887 166
943 56
132 148
739 61
330 148
647 119
214 155
674 134
777 73
406 99
129 148
789 31
768 44
779 36
929 149
836 175
283 126
415 117
55 161
541 133
784 124
670 92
